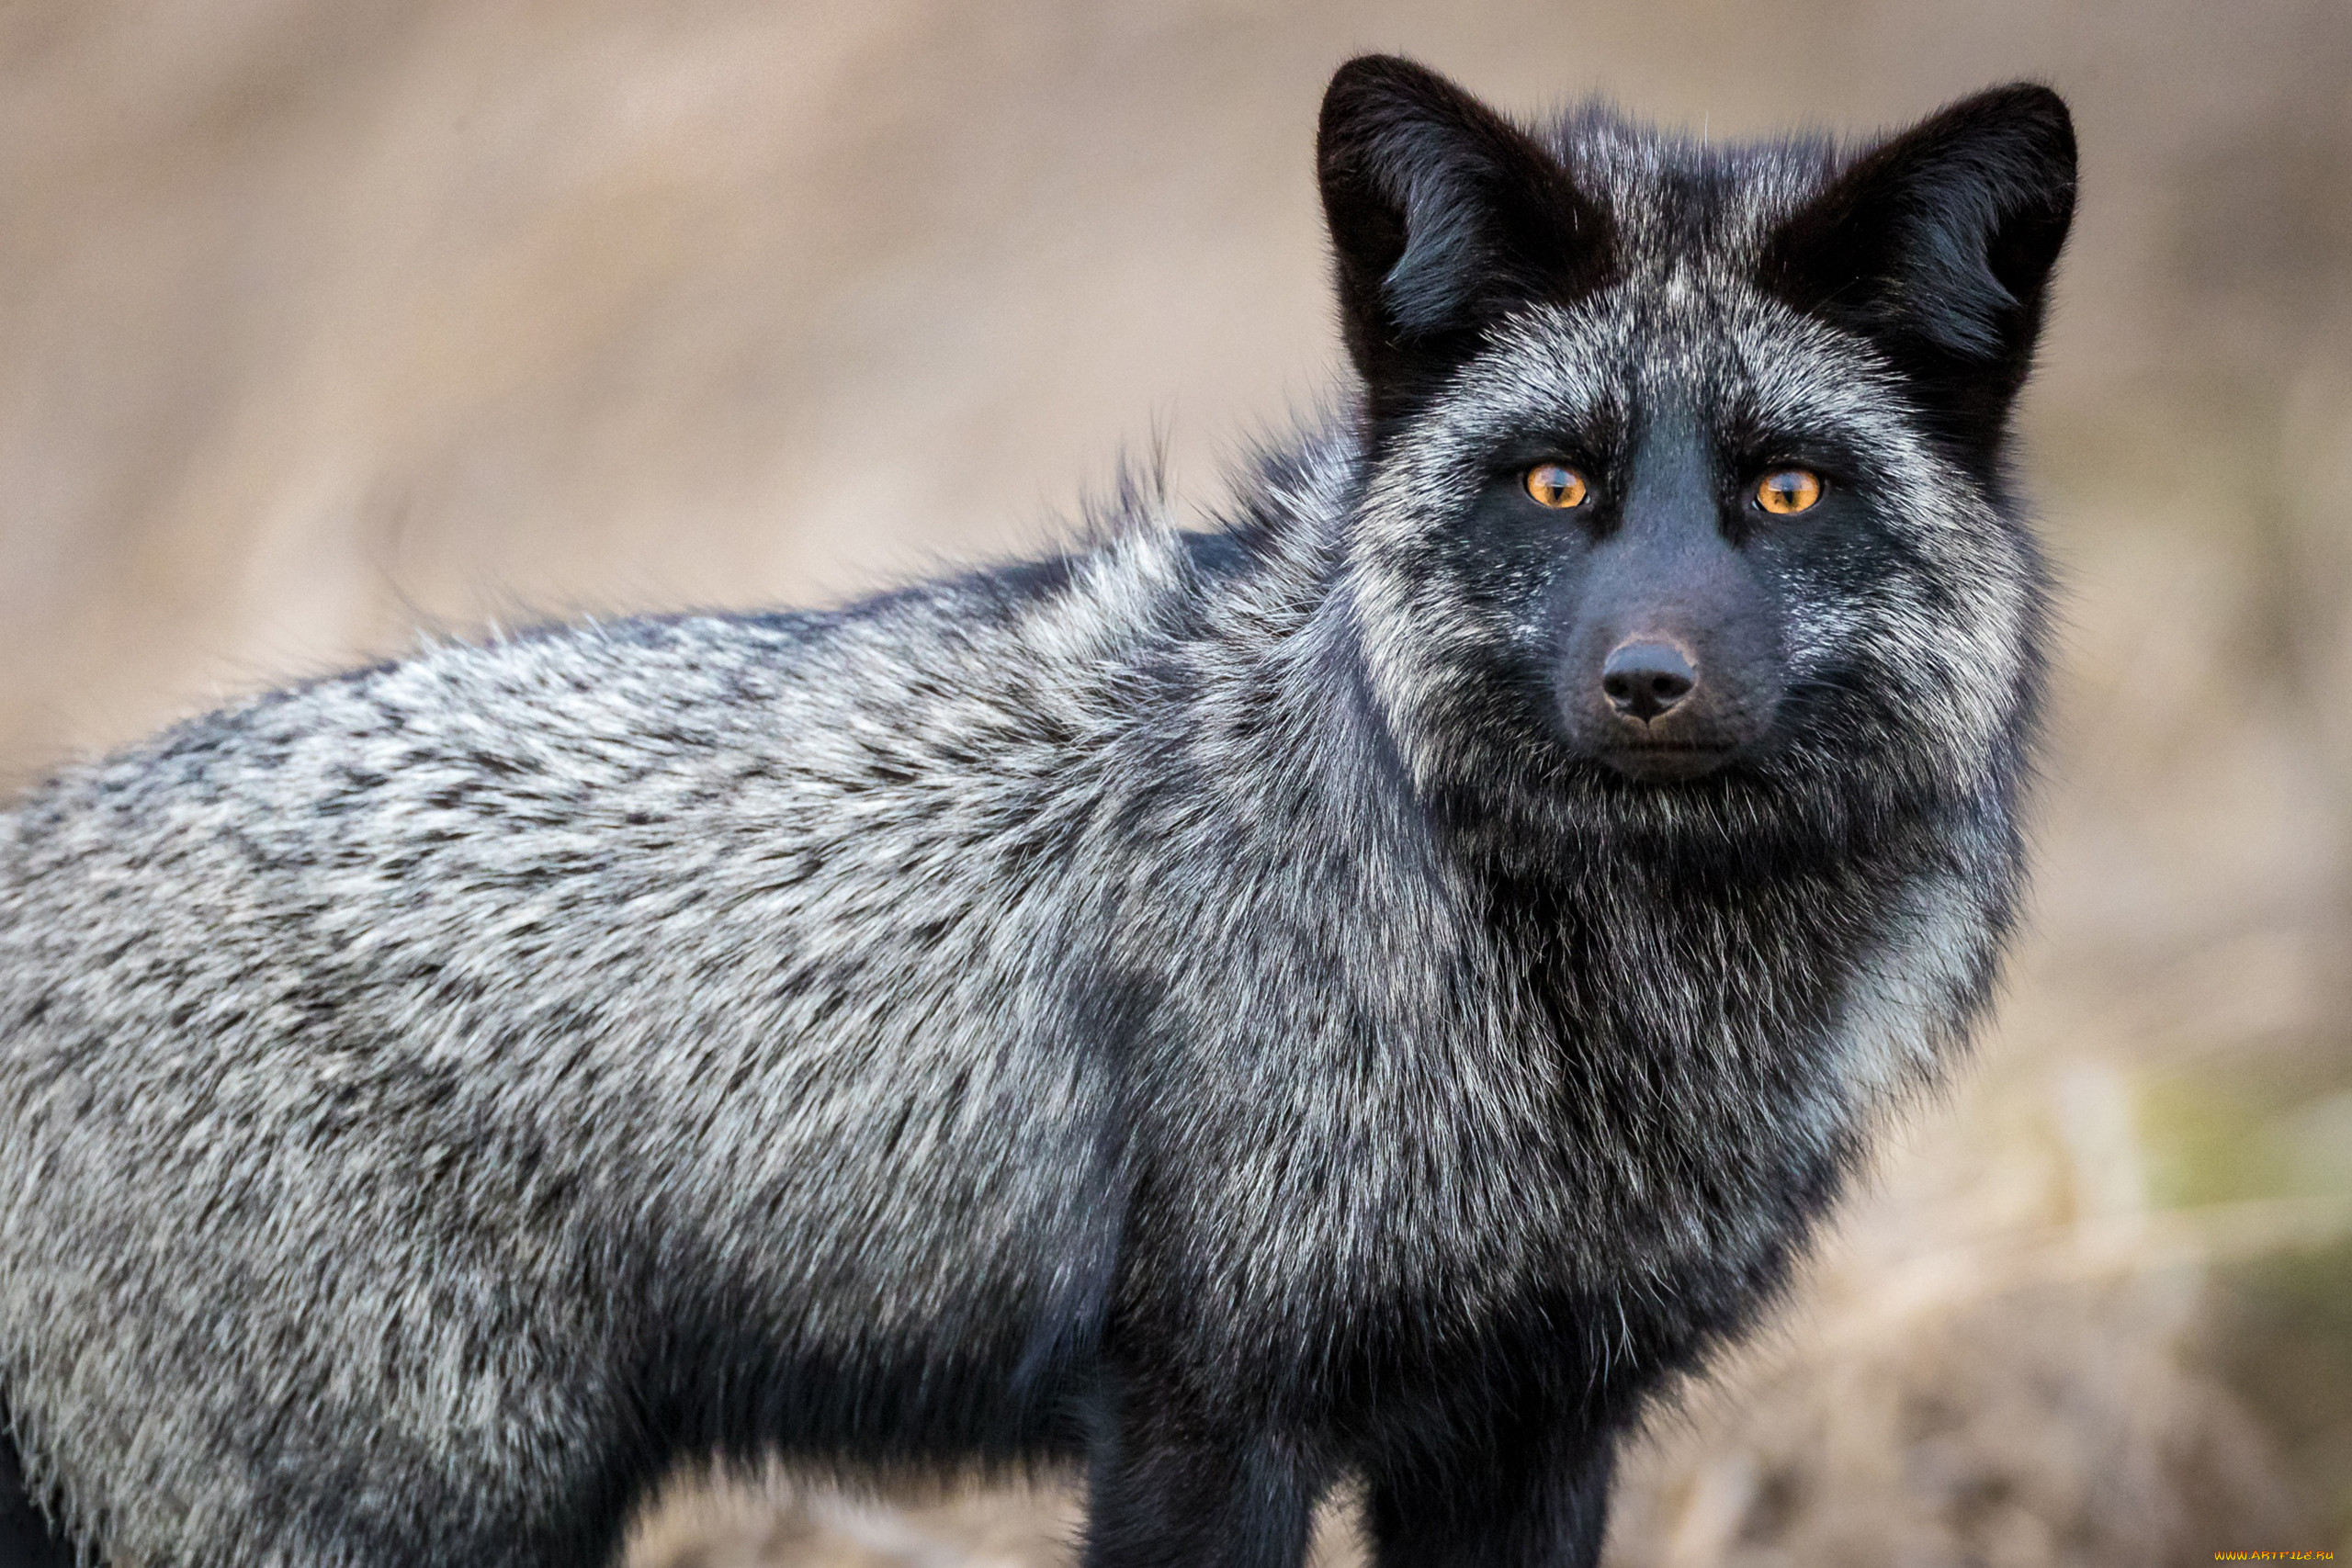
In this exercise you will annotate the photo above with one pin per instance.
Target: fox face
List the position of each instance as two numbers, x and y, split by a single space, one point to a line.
1685 461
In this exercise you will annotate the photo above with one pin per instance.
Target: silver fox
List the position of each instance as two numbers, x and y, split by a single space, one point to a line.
1375 992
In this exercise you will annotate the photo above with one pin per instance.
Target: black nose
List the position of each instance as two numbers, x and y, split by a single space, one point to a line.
1643 680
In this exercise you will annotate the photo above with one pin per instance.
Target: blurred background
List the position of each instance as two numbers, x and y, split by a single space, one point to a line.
323 322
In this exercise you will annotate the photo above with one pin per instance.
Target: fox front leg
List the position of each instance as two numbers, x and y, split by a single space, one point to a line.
1535 1499
1174 1485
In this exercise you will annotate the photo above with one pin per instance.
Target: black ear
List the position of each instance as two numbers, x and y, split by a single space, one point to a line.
1444 217
1938 245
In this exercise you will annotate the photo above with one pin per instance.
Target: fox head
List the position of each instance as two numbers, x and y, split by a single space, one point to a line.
1684 481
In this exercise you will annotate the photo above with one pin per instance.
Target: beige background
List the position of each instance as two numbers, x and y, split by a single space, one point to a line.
325 321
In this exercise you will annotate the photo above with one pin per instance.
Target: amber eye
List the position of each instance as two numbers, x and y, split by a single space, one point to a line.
1556 485
1785 490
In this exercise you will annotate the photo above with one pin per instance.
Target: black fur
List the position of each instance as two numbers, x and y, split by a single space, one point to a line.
28 1538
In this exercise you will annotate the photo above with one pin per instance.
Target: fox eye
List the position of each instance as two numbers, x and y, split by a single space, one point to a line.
1785 490
1558 486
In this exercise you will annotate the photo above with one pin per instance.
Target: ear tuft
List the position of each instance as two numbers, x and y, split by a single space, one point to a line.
1938 244
1444 218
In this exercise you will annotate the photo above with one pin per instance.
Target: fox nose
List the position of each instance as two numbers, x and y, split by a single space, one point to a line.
1643 679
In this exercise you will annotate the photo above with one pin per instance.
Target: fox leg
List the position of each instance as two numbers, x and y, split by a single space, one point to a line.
1174 1488
27 1540
1541 1499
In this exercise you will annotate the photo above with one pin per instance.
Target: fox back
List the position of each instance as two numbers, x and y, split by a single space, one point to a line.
1371 991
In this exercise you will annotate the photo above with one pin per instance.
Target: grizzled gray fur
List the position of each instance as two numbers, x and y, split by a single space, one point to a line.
1369 992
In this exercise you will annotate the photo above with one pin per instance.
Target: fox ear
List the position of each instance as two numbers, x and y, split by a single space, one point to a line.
1444 217
1938 244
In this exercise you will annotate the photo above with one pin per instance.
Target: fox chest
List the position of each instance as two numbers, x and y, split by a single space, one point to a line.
1574 1153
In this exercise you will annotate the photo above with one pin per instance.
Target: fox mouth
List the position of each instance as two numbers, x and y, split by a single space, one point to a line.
1666 761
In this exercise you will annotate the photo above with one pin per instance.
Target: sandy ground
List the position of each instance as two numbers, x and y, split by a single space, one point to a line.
325 321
